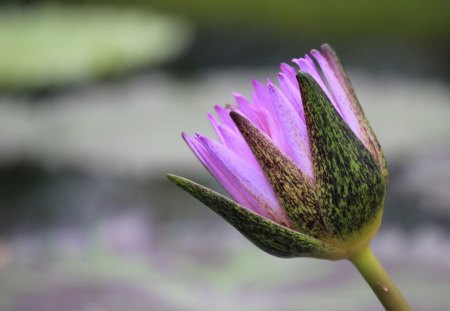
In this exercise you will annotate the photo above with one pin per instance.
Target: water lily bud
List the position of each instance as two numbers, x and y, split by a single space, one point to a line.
305 172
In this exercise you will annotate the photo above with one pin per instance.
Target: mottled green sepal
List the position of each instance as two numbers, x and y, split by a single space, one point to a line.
275 239
294 189
349 181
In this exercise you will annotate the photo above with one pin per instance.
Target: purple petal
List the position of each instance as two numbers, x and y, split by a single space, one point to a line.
215 125
307 65
339 94
369 138
289 71
294 131
224 116
246 109
250 181
208 162
262 99
292 92
233 141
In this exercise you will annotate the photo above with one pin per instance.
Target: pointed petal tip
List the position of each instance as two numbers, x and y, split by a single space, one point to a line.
185 136
255 82
326 48
237 97
212 119
285 80
283 65
309 60
201 138
271 87
218 108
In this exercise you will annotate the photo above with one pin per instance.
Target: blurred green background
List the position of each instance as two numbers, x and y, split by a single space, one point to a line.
93 96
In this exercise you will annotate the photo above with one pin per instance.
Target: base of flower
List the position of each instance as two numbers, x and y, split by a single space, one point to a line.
380 282
352 244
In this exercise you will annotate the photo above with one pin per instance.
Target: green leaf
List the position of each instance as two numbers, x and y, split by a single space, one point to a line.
58 44
349 181
294 190
273 238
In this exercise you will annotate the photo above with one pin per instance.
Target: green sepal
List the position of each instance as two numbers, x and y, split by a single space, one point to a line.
349 181
275 239
295 190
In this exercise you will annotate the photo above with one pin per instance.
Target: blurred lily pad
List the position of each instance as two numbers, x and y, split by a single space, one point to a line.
58 45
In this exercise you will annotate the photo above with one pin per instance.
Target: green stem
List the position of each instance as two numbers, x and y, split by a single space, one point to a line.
380 282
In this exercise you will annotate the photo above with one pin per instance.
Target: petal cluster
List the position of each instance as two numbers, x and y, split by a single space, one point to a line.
299 153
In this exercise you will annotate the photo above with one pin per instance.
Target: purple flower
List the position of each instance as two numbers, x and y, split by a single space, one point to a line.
304 169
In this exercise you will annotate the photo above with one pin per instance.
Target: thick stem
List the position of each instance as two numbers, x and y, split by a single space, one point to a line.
380 282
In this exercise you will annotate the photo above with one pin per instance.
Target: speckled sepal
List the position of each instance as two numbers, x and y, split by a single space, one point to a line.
349 181
267 235
295 190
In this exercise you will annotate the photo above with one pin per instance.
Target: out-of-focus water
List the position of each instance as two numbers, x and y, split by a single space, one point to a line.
89 221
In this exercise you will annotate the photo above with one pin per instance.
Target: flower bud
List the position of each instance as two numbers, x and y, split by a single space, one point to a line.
305 172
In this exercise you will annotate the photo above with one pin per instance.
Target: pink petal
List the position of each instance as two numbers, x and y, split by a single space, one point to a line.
215 125
233 141
250 181
210 164
289 71
246 109
294 131
292 92
261 96
262 99
224 116
339 94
